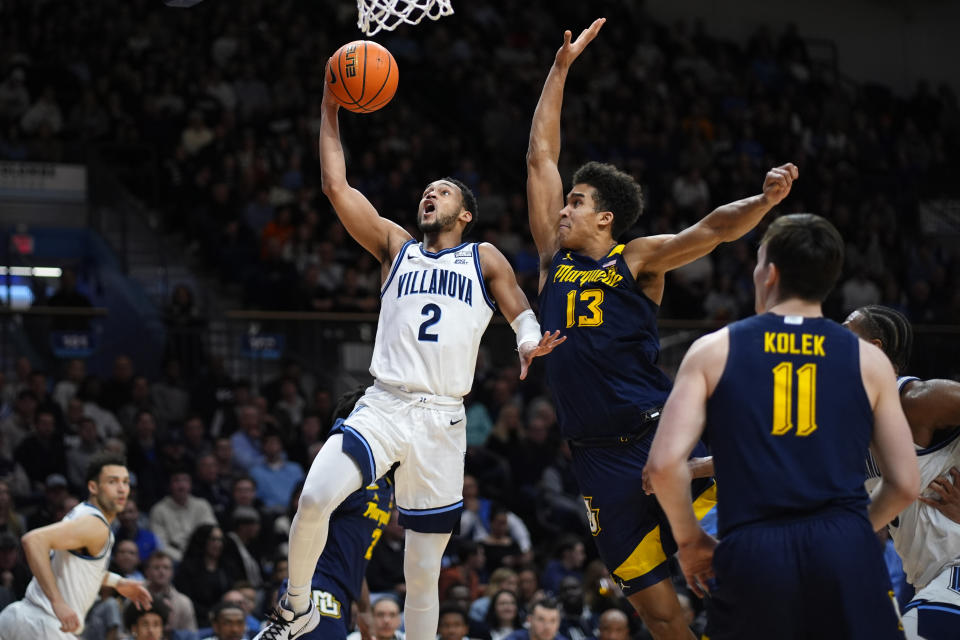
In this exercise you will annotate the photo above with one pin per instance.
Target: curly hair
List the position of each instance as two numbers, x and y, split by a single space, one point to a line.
616 191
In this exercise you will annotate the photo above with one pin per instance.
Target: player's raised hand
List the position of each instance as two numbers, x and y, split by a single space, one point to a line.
69 620
135 592
948 502
696 562
778 182
530 350
570 50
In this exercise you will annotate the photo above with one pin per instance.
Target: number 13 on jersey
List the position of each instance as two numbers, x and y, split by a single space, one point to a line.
592 298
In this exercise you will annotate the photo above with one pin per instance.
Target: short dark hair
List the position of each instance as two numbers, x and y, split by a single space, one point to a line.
103 459
808 252
453 607
132 613
469 202
547 602
617 192
224 605
892 329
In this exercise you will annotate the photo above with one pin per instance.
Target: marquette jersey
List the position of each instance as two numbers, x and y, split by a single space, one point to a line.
355 529
78 576
434 308
926 540
789 422
605 375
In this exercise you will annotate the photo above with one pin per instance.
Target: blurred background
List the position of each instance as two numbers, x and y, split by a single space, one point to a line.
168 264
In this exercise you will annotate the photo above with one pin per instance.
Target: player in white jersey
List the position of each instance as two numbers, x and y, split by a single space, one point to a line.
438 296
69 561
926 539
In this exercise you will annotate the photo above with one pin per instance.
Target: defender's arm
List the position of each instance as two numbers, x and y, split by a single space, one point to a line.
544 185
656 255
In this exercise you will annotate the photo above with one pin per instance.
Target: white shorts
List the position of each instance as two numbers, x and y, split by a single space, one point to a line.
427 435
23 621
934 612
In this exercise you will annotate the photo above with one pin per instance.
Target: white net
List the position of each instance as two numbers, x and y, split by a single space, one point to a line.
389 14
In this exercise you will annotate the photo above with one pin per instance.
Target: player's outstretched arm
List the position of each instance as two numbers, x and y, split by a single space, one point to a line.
544 185
659 254
88 532
681 425
892 443
502 283
381 237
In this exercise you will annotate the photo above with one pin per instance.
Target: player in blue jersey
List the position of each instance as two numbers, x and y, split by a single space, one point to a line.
604 296
355 528
790 402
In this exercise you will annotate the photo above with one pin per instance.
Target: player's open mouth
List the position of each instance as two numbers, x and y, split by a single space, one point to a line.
429 207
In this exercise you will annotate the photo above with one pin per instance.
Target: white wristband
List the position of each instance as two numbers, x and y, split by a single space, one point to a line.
113 579
526 327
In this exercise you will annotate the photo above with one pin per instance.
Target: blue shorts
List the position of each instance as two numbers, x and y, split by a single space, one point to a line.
630 529
334 605
819 576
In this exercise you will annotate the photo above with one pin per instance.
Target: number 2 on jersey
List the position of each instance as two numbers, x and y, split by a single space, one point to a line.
434 312
783 399
593 298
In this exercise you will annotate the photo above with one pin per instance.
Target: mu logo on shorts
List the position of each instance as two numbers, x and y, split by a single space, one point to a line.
593 515
327 604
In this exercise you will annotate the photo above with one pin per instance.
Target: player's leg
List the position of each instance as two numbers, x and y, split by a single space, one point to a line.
660 610
934 613
332 477
429 486
422 557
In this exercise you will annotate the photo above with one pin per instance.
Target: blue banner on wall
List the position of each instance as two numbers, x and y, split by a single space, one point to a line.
73 344
266 346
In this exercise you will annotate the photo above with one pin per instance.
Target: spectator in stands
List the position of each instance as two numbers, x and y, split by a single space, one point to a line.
528 588
129 529
69 386
146 624
501 579
18 425
126 560
201 575
543 622
14 97
159 574
290 408
241 596
68 296
45 402
42 452
561 506
79 455
453 623
43 114
310 432
140 401
470 561
501 548
184 330
569 562
386 620
89 394
145 457
614 625
576 620
175 517
503 615
54 495
11 521
241 551
276 477
211 486
247 451
244 494
228 621
14 573
116 390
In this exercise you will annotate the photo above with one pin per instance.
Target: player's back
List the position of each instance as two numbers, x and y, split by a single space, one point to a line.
434 310
605 377
789 422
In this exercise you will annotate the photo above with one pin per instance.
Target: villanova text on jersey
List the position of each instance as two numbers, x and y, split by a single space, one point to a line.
440 282
605 376
790 400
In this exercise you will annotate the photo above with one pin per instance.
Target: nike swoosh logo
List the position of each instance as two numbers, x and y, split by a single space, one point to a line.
333 76
411 257
456 421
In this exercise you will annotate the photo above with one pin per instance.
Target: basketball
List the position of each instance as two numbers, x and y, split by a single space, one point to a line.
362 76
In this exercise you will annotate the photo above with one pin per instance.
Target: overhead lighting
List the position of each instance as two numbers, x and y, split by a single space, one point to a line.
37 272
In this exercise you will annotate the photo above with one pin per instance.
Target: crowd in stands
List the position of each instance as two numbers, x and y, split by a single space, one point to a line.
227 95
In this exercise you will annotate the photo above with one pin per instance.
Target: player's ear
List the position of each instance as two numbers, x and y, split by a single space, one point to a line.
466 216
773 275
605 218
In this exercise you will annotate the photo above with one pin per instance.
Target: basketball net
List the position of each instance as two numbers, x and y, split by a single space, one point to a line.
390 14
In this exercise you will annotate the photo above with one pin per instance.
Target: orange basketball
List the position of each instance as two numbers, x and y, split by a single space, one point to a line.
362 76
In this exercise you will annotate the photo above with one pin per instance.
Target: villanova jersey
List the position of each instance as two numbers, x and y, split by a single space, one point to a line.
605 375
78 576
789 422
355 529
926 540
434 308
